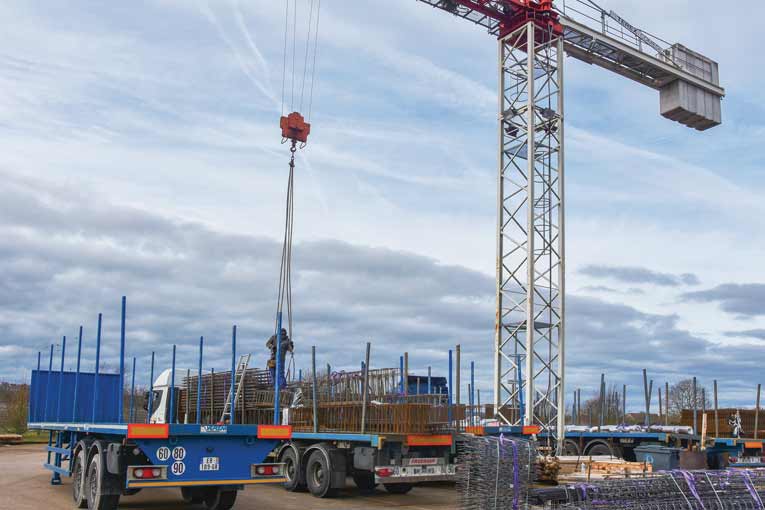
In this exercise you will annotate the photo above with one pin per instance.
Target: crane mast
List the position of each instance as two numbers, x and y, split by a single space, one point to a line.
533 37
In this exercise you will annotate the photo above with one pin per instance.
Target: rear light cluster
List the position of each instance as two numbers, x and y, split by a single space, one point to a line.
147 473
384 472
267 470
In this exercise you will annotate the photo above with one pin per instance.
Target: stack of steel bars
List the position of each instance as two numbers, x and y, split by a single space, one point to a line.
688 490
494 473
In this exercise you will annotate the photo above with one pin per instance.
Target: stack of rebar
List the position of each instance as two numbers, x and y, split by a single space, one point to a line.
494 473
689 490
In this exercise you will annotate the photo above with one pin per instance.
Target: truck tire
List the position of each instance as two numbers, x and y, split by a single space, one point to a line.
364 480
79 471
193 495
398 488
318 474
217 499
97 500
599 448
293 470
571 448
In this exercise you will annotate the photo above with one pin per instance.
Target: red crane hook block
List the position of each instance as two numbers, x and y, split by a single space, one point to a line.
294 127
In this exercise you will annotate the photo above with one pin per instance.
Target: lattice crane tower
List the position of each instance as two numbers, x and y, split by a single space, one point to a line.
534 36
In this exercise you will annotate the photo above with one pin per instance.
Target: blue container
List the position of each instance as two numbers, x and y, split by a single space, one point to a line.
662 458
44 392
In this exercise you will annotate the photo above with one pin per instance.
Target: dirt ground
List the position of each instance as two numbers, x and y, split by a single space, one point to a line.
25 485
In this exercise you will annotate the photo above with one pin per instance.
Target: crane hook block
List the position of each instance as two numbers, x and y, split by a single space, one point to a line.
294 127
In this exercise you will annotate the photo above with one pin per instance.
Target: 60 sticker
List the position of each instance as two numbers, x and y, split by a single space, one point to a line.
163 454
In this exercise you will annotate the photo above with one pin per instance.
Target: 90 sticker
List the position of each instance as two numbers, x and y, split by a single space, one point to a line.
178 468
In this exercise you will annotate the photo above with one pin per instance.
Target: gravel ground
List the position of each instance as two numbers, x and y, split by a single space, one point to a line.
25 485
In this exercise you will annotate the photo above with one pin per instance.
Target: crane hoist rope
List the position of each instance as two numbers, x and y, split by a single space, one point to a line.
294 130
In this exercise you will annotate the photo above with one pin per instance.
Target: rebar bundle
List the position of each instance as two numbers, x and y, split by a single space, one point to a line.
670 490
494 473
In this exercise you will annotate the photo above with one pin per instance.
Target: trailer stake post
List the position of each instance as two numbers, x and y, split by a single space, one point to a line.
98 368
131 412
121 397
61 379
233 375
314 391
150 406
365 397
77 376
171 410
199 381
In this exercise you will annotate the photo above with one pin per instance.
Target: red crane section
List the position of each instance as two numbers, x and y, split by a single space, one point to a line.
502 17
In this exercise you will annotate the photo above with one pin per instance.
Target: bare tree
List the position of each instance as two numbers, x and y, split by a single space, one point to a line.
681 397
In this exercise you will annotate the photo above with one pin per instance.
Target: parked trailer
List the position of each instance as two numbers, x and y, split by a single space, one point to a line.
107 457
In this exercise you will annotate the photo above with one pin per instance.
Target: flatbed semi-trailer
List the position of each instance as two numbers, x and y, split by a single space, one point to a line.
109 455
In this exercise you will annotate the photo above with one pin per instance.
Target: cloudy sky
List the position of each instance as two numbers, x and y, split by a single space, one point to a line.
140 155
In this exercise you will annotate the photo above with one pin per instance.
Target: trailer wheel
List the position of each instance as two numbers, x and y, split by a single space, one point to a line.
599 448
79 490
571 448
193 495
217 499
398 488
97 500
318 474
292 469
364 480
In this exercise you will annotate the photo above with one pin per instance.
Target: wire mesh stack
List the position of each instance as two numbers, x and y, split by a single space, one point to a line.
688 490
494 473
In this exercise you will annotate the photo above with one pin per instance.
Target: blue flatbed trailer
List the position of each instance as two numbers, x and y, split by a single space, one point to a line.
623 444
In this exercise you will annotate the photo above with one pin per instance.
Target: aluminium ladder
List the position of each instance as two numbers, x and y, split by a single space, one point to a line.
241 371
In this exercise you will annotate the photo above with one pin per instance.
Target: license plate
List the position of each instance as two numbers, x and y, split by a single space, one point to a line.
210 464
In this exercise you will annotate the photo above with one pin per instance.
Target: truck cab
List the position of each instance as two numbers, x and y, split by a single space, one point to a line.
161 394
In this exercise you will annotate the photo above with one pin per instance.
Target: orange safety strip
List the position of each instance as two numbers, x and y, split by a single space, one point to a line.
274 431
134 483
148 431
476 430
529 430
753 444
428 440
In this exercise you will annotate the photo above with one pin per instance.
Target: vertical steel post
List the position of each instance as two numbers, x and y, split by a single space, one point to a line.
531 172
34 413
695 406
131 408
457 375
757 412
406 374
150 406
97 370
401 371
645 395
666 401
77 377
278 382
472 391
61 379
449 396
661 414
560 55
430 384
717 426
602 401
233 375
300 375
121 396
315 391
365 396
171 404
199 381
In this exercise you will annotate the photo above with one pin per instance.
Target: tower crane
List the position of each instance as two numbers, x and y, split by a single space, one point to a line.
533 37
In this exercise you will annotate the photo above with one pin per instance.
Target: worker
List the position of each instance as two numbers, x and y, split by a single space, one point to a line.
287 346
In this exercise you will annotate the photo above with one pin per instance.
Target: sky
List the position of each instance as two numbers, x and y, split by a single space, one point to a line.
140 155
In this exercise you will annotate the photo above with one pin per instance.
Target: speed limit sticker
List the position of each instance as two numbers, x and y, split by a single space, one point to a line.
178 468
179 453
163 453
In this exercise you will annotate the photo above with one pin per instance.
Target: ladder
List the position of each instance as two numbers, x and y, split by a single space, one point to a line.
241 371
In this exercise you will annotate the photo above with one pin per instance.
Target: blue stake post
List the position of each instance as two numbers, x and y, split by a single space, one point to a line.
278 378
132 393
150 407
61 380
233 373
199 381
77 376
449 395
47 382
300 375
430 385
121 389
171 406
95 374
34 413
